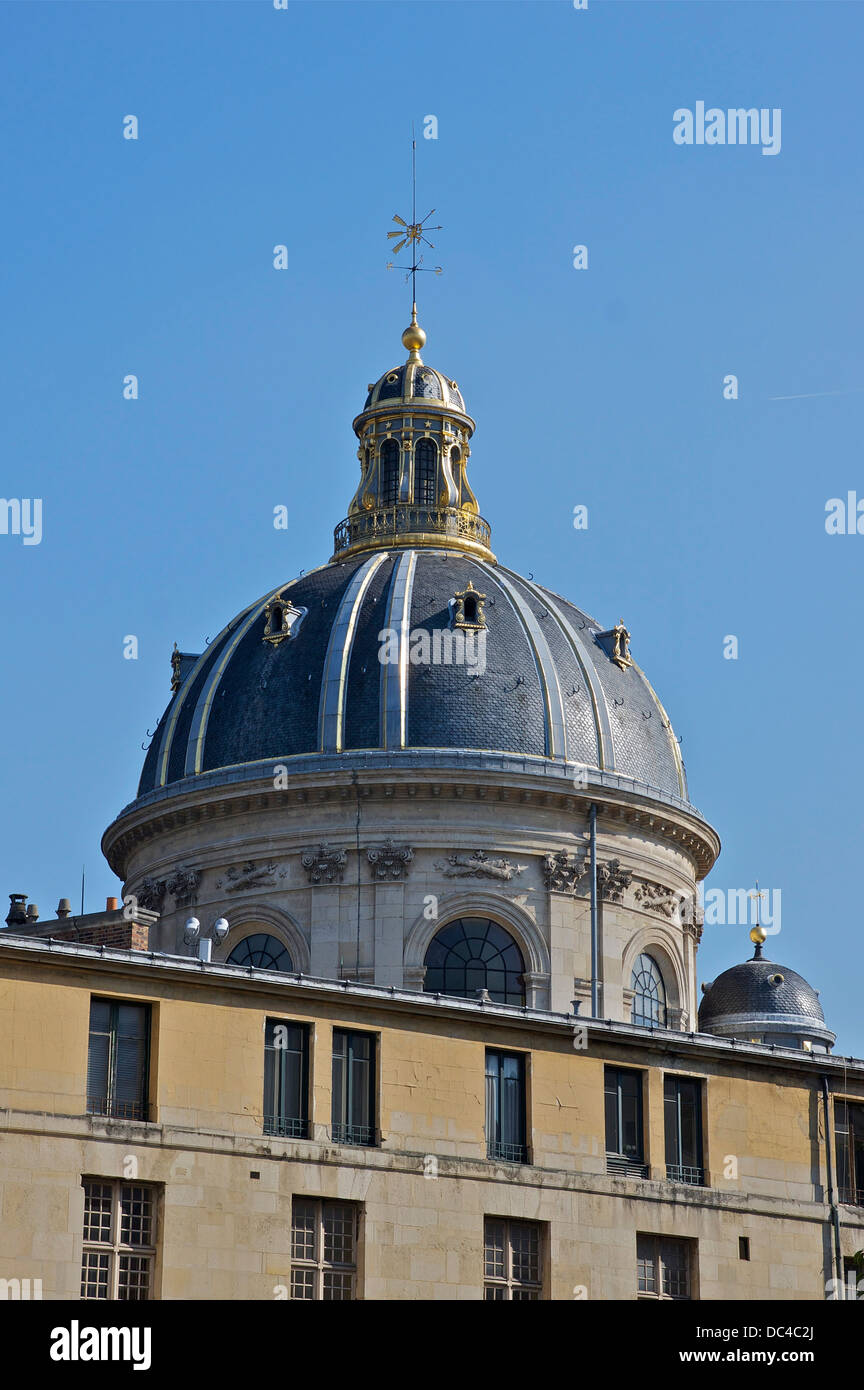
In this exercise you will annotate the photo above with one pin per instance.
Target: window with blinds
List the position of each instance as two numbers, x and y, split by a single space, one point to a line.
118 1059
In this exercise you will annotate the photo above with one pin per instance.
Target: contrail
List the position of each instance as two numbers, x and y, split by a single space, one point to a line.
811 395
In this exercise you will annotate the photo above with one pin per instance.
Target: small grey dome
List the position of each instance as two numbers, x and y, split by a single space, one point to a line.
766 1002
411 382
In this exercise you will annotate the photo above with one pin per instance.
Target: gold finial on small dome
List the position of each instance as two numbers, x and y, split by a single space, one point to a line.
414 338
758 935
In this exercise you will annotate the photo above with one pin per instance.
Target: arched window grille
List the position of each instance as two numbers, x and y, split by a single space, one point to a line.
649 1002
474 953
262 951
425 458
389 473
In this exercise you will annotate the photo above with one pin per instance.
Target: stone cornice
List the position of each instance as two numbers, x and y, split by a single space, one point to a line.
385 777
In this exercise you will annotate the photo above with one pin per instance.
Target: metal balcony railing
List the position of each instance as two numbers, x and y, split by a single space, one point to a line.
118 1109
361 1135
382 523
508 1153
283 1128
681 1172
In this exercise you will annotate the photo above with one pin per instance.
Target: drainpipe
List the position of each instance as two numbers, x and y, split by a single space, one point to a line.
835 1215
595 1007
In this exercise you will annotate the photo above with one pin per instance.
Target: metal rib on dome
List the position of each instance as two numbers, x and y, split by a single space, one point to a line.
548 689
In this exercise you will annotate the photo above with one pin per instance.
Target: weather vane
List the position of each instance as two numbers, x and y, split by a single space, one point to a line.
413 233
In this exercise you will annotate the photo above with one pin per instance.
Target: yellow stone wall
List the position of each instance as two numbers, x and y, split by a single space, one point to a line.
225 1234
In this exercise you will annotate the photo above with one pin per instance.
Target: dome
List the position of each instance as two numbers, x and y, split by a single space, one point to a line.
765 1002
413 639
412 382
415 648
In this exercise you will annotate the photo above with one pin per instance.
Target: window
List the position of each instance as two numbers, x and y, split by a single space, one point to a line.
323 1250
262 952
625 1151
649 1003
119 1240
425 456
286 1079
664 1267
118 1059
743 1247
512 1253
389 490
849 1127
353 1087
505 1107
682 1110
471 954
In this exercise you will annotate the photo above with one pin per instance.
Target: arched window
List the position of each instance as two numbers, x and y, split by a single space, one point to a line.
425 456
389 473
261 951
649 1003
473 953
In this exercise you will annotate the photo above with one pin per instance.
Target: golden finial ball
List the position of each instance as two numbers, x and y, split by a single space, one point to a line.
758 935
413 338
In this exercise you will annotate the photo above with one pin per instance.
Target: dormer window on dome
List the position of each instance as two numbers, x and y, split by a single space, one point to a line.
414 435
281 620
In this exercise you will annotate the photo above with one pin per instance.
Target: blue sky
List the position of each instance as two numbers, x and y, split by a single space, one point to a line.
601 387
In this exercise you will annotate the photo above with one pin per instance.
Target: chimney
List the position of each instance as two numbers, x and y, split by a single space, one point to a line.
64 908
32 912
17 910
110 904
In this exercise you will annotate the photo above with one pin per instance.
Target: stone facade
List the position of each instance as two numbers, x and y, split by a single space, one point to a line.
422 1191
479 839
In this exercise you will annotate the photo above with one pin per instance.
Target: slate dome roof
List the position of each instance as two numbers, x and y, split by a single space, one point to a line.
761 996
550 688
412 382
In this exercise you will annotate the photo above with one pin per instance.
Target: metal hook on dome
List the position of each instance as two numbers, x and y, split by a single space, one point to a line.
648 715
617 703
530 574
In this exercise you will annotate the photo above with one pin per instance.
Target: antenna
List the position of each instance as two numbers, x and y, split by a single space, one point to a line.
82 890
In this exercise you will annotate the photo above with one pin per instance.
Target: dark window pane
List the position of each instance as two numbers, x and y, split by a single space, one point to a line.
353 1114
505 1107
474 953
262 952
389 473
286 1071
623 1100
425 456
